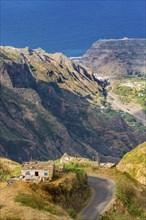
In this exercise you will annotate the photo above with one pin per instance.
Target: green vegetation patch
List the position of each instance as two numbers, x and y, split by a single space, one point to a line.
110 113
72 213
8 169
123 90
134 162
36 202
127 196
131 121
76 168
135 92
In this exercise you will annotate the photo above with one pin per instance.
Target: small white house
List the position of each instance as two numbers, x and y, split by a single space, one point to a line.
38 170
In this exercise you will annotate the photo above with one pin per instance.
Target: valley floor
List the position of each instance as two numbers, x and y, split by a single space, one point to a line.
131 108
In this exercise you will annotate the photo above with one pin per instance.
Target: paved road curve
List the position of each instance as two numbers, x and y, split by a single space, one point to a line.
103 192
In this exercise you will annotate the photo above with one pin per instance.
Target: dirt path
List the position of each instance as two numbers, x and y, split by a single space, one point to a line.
103 192
131 108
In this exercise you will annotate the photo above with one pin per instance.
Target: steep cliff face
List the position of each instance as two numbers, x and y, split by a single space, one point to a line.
116 58
47 109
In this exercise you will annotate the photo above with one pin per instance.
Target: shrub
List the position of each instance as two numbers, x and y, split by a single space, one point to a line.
4 174
127 196
95 168
123 90
72 213
74 167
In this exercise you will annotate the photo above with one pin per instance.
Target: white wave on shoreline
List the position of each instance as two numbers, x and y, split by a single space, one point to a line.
75 58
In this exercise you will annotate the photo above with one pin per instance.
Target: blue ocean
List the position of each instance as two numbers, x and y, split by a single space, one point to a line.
69 26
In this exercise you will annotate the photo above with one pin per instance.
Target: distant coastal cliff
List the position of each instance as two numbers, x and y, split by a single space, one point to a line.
115 58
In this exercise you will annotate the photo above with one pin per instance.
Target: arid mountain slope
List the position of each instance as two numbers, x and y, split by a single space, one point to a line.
46 67
113 59
47 109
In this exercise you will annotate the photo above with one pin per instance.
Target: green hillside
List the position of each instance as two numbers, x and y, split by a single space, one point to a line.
134 163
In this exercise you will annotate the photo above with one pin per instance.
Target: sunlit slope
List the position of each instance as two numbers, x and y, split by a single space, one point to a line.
134 163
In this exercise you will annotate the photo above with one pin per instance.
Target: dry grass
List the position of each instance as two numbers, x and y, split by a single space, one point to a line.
44 201
10 209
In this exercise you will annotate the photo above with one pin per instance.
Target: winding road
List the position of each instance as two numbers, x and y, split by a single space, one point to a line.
103 192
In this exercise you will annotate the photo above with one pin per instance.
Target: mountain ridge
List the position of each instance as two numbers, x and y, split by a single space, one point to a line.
51 105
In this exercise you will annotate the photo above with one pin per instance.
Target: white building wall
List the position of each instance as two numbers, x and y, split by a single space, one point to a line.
32 173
